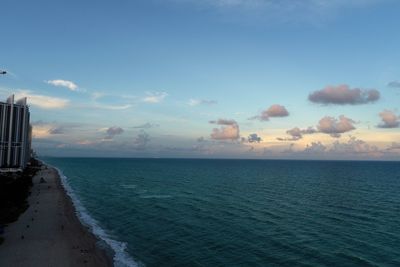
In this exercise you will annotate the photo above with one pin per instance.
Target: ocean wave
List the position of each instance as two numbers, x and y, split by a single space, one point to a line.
156 196
121 257
128 186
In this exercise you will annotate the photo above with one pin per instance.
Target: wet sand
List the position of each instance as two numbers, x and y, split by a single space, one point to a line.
49 233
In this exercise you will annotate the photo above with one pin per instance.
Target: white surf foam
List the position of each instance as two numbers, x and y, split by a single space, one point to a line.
121 257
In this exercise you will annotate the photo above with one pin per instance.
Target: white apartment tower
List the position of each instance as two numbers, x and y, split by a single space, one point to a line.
15 135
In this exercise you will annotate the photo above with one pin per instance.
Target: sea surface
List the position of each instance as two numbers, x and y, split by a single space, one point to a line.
187 212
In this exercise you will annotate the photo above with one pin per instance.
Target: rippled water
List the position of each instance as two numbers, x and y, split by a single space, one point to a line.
175 212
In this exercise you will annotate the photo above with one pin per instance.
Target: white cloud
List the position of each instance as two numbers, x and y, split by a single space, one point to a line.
41 131
42 101
64 83
97 95
284 10
111 107
197 102
154 97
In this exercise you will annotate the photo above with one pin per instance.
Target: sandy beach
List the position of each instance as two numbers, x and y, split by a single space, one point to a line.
49 233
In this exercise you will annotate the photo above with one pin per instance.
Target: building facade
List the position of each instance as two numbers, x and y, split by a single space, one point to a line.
15 135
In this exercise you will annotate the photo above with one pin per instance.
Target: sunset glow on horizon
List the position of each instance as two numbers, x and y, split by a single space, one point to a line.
207 79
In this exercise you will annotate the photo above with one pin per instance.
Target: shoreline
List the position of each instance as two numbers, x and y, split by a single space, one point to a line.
49 232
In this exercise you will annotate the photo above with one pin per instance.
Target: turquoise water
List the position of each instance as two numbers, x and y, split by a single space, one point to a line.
176 212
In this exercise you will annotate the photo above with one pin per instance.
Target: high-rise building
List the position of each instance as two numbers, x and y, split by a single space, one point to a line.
15 135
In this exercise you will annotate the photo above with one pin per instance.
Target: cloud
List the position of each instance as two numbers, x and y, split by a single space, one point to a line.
289 149
236 3
273 111
141 140
97 95
353 146
254 138
64 83
280 11
296 133
113 131
198 102
224 122
228 131
85 142
61 145
389 119
154 97
351 149
335 127
57 130
146 125
394 146
315 147
344 95
110 107
394 84
42 101
42 129
286 6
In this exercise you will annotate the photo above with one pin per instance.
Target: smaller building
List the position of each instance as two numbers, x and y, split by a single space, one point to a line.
15 135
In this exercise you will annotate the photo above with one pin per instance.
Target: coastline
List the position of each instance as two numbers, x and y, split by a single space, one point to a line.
49 232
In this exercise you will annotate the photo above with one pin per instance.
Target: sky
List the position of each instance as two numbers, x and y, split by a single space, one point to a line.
262 79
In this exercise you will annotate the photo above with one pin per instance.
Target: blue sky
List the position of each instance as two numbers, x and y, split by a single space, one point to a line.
145 78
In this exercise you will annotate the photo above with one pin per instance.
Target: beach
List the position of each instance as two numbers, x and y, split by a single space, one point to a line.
49 232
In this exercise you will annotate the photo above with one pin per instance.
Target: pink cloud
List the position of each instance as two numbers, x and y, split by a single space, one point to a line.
343 94
273 111
335 127
389 119
228 131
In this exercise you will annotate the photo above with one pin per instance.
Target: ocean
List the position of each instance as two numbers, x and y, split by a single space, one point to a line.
199 212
